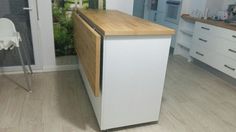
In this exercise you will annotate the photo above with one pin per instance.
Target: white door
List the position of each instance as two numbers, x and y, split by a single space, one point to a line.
24 14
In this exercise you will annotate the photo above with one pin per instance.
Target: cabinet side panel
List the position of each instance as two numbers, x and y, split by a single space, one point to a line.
134 71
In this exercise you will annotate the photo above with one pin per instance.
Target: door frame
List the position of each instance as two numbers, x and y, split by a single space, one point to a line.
34 18
34 23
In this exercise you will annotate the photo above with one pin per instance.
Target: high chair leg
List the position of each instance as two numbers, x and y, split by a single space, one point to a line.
27 80
27 59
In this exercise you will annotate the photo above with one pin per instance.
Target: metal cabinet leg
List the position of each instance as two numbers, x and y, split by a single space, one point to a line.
25 70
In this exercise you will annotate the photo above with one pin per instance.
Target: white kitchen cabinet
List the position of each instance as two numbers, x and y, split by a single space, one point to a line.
161 6
207 29
216 47
183 41
123 67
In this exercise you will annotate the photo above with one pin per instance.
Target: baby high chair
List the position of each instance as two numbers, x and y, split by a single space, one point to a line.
10 39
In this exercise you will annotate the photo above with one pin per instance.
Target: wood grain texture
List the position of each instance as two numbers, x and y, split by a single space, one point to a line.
113 23
88 43
194 101
210 22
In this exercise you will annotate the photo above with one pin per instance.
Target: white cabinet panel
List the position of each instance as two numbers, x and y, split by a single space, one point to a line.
206 29
220 62
137 100
224 47
225 65
199 52
216 47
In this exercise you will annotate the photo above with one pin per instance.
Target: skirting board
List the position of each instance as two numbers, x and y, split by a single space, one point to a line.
18 69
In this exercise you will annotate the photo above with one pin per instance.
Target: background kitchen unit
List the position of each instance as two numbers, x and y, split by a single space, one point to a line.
164 12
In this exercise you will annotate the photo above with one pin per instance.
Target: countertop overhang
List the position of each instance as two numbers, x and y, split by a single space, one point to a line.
116 23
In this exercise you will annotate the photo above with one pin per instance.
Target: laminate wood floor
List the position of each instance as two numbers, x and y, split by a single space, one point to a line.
67 60
194 101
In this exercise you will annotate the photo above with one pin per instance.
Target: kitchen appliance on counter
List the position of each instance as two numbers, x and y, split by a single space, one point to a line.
222 15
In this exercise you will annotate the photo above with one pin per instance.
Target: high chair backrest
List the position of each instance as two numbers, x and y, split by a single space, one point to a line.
7 27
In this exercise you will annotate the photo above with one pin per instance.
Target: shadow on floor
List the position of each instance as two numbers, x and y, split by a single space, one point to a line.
73 101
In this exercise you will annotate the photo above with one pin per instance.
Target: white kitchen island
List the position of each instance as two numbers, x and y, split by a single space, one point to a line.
123 62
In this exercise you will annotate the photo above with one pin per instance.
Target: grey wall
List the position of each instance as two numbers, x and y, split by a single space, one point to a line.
227 3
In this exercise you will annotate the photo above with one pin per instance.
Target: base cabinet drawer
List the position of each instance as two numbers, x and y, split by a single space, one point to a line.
225 65
204 28
207 29
224 47
215 60
216 47
199 52
200 55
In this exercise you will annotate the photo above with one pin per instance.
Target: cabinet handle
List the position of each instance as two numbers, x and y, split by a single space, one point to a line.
203 40
198 53
234 36
233 69
206 28
231 50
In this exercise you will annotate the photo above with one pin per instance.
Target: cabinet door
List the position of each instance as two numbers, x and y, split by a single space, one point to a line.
161 7
87 44
138 10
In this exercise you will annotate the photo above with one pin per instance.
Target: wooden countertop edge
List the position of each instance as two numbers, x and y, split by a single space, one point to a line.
221 24
168 32
143 34
94 26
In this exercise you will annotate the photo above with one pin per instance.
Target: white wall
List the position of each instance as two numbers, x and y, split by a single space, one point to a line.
214 6
125 6
228 2
46 34
46 26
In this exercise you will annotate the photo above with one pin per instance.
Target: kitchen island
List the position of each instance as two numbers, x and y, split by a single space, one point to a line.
123 62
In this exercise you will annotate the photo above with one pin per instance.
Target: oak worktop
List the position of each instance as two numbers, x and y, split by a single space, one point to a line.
110 46
210 22
116 23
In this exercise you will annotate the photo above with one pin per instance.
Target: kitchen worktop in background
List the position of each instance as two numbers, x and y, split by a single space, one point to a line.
210 22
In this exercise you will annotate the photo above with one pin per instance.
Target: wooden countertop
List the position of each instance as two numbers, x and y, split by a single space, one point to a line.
210 22
115 23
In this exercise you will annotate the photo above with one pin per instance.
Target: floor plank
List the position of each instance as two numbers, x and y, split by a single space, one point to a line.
194 100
